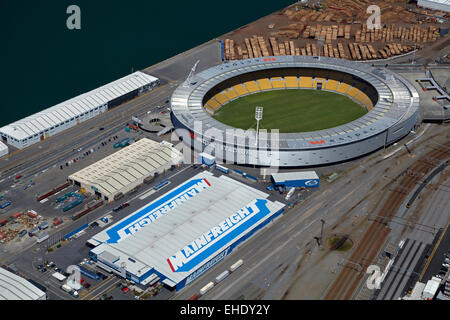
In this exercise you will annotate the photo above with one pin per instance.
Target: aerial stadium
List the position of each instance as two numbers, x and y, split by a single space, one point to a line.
326 110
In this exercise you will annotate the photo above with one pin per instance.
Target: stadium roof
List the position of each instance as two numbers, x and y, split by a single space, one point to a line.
290 176
58 114
128 165
13 287
159 231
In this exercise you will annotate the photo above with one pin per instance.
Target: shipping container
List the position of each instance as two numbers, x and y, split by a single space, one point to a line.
222 276
5 204
236 265
206 288
161 185
72 205
17 215
222 168
33 232
43 226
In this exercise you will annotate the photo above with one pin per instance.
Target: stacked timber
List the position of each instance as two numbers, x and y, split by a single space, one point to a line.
262 45
274 45
341 51
249 48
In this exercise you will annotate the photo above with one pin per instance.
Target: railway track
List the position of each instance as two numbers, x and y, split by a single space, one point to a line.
350 277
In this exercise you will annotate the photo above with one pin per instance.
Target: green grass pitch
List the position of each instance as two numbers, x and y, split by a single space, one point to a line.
293 110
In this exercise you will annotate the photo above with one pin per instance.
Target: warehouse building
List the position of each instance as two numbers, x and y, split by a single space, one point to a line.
185 232
307 179
3 149
441 5
40 126
14 287
126 169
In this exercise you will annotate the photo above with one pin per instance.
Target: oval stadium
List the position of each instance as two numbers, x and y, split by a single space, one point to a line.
326 110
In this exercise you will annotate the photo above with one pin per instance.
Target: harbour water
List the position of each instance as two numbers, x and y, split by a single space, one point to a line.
44 63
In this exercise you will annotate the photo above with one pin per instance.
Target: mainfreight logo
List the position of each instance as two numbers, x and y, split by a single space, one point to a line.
217 237
156 209
311 183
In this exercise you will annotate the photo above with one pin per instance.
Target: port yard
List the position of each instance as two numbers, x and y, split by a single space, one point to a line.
341 25
277 263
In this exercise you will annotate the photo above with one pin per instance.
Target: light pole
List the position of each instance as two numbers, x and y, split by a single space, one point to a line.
319 44
258 116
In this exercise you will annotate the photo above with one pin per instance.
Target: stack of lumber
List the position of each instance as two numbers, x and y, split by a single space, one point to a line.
262 45
274 45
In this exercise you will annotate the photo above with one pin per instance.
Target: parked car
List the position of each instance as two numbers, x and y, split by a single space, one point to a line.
44 269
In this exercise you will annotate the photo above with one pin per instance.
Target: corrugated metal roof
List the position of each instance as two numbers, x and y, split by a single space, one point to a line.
125 166
86 102
290 176
172 222
13 287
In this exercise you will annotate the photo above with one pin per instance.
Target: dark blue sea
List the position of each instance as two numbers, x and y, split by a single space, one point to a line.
43 63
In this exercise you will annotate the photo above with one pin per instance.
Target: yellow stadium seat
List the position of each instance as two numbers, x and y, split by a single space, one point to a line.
252 86
306 82
331 85
213 104
240 89
291 82
209 108
278 83
230 94
221 98
343 88
264 84
353 92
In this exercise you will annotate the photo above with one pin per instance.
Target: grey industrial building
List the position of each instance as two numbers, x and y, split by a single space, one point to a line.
127 168
42 125
14 287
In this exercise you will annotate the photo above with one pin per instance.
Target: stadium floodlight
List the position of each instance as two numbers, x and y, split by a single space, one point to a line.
258 116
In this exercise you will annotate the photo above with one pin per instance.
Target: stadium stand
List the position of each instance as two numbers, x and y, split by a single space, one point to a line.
343 88
264 84
305 82
331 85
278 83
240 89
252 86
230 94
290 78
291 82
221 98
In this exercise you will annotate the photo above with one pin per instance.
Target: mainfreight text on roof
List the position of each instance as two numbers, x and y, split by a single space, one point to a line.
307 179
185 232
